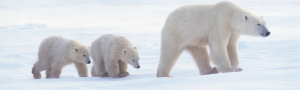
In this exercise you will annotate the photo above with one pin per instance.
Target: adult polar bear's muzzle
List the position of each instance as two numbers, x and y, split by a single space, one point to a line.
265 32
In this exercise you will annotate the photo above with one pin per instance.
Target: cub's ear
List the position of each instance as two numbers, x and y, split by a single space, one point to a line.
88 48
262 17
135 48
124 51
245 17
76 50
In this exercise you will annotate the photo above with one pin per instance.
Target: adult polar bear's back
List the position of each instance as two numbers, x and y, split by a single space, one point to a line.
193 27
201 20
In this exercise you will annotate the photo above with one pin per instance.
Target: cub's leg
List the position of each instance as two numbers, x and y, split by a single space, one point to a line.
82 69
48 73
112 68
38 67
123 69
99 68
56 71
93 71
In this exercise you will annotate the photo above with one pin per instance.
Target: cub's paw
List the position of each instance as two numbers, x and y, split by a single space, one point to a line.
124 74
37 76
105 75
237 69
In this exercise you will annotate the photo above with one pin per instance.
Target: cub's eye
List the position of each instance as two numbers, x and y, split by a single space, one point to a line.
133 60
258 24
84 55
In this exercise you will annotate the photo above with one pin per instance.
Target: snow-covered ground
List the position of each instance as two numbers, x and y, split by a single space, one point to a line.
267 63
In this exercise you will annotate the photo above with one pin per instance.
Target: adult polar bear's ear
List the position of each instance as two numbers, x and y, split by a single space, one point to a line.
76 49
135 48
262 17
124 51
245 17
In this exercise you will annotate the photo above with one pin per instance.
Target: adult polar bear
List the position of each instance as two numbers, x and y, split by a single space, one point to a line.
193 27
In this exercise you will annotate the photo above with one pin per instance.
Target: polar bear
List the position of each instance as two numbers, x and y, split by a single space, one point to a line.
55 52
193 27
110 54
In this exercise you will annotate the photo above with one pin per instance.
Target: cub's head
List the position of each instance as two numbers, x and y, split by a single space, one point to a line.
252 25
81 54
131 56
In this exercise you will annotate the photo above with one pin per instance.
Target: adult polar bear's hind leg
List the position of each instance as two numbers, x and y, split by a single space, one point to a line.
201 57
167 58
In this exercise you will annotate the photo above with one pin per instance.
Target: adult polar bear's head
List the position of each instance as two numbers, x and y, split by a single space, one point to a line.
253 25
242 21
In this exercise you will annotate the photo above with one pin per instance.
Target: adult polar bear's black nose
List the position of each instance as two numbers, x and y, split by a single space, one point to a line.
88 62
268 33
138 67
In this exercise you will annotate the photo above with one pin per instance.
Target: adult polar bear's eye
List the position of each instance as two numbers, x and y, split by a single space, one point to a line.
133 60
84 55
258 24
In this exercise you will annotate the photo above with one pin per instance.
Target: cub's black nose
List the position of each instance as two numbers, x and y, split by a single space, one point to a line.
89 62
268 33
138 67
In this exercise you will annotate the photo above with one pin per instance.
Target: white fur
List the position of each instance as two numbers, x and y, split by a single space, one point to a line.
110 54
193 27
55 52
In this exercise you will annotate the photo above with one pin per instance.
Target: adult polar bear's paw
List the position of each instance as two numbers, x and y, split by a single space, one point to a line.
123 74
237 69
214 71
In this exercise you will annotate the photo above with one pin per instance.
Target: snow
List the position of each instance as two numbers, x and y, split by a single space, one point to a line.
267 63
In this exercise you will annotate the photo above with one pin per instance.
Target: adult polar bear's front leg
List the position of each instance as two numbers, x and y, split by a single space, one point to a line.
232 50
219 54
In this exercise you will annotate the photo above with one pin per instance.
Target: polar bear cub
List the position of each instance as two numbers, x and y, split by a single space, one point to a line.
55 52
110 54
